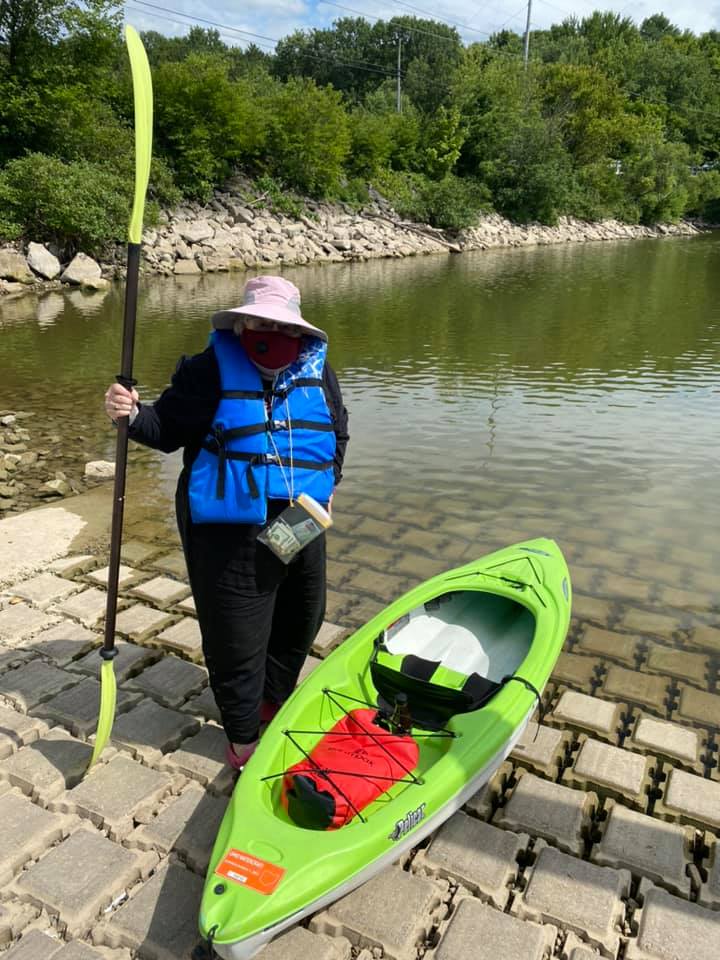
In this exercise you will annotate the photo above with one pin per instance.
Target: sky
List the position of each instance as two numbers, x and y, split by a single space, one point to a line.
270 20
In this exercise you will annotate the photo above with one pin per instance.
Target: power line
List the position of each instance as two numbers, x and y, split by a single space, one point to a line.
368 16
355 65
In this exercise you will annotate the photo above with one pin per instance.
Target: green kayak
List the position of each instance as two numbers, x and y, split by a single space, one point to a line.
431 695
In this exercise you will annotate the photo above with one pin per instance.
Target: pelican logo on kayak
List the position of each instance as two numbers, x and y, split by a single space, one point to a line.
411 819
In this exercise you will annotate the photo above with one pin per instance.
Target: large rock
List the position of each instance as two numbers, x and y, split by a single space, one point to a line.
186 267
82 270
42 261
13 266
100 469
196 231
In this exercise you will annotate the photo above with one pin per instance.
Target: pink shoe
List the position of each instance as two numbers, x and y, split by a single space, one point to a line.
238 760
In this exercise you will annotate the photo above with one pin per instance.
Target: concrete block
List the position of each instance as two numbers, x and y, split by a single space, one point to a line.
709 894
187 825
77 950
72 566
149 730
188 606
409 564
80 877
44 589
697 707
126 576
139 622
63 643
183 637
647 847
130 659
47 766
202 758
548 810
377 583
583 712
360 609
690 799
34 945
541 749
393 911
19 621
482 803
170 681
692 601
14 917
692 667
203 705
668 928
600 642
160 918
329 637
78 708
577 896
162 591
648 623
477 931
17 730
705 637
173 563
112 795
611 771
14 657
592 609
301 944
480 857
27 831
576 671
88 607
629 685
135 552
627 589
575 949
668 741
32 683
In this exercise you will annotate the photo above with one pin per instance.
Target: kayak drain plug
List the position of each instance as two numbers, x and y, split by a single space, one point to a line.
219 888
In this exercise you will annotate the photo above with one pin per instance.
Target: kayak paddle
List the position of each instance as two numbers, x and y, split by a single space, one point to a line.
142 90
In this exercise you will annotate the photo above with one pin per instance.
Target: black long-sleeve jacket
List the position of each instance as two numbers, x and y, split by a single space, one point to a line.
183 413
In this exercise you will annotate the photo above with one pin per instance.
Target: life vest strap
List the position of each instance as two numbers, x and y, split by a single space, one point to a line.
299 382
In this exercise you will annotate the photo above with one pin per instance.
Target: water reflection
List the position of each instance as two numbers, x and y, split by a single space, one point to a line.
568 391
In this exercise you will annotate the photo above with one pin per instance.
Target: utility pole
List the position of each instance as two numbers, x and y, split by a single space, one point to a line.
399 102
526 48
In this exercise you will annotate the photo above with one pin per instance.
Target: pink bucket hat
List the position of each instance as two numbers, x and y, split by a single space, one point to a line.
272 298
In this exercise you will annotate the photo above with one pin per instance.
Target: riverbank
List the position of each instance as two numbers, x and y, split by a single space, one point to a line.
237 231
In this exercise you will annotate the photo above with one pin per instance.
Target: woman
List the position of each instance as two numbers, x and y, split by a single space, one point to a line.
261 419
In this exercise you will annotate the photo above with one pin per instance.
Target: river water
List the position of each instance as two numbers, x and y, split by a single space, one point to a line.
565 391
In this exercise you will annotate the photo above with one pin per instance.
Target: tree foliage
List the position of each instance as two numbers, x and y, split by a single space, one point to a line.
611 118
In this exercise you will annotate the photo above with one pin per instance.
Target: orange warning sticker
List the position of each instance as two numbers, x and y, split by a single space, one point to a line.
247 870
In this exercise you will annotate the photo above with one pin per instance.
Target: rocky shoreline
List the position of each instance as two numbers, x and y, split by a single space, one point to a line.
236 232
30 462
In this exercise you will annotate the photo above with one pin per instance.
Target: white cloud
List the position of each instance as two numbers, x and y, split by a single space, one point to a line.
474 21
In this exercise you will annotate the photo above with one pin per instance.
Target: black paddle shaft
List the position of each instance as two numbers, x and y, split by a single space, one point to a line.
125 378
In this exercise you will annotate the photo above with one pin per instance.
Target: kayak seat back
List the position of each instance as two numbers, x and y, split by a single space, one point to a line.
451 655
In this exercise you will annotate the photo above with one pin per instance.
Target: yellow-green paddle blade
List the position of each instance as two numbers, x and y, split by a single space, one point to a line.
108 695
142 89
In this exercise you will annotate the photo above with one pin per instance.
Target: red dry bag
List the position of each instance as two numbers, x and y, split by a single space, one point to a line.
349 768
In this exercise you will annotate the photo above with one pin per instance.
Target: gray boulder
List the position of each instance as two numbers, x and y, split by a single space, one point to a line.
44 263
13 266
81 270
196 231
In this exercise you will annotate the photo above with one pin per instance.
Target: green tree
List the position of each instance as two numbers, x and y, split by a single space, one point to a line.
308 138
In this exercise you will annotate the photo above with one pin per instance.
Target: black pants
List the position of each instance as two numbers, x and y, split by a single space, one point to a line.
258 617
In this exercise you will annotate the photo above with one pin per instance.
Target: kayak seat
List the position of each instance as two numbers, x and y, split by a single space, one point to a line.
451 655
431 704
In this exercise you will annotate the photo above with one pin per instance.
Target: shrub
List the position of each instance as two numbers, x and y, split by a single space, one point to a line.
78 205
450 204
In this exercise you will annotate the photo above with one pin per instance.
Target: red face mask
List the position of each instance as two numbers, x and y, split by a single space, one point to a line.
270 349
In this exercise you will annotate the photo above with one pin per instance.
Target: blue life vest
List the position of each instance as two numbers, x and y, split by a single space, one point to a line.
237 469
